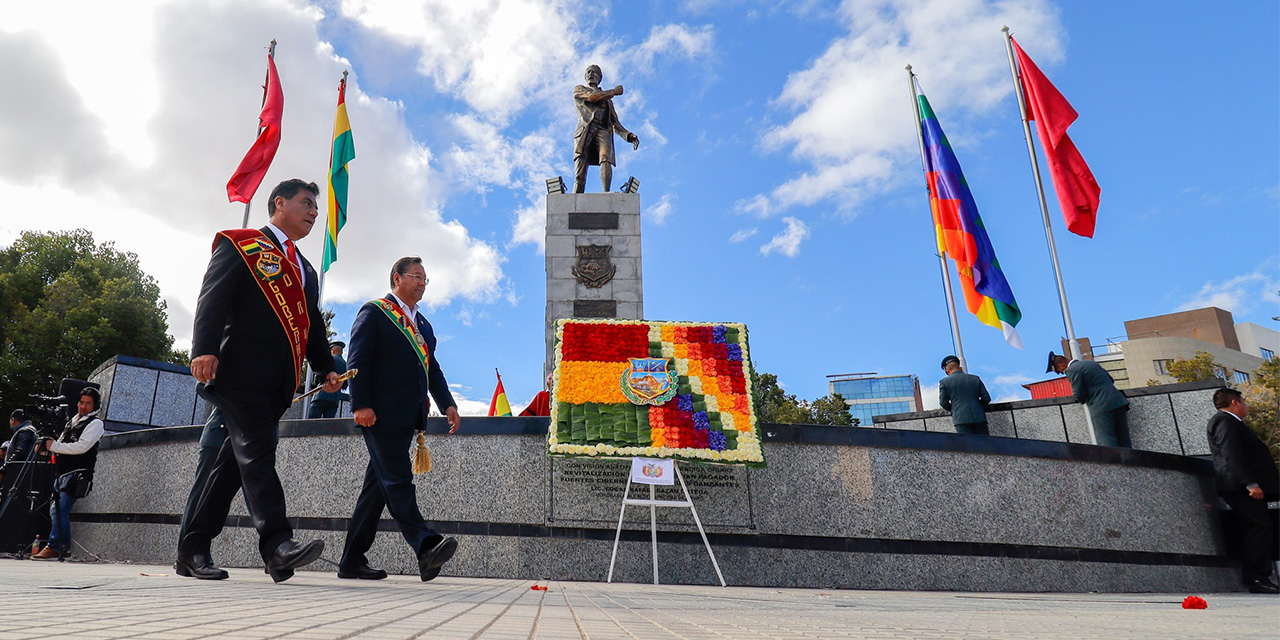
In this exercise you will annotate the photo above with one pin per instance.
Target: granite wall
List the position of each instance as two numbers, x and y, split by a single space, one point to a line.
1167 418
142 394
835 508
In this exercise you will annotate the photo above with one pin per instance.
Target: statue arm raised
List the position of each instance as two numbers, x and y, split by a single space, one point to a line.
583 92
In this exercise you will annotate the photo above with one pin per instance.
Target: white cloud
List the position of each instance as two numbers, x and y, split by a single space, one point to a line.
663 208
157 188
757 205
671 39
1013 380
1240 295
1008 387
852 124
466 406
497 56
788 241
929 397
742 234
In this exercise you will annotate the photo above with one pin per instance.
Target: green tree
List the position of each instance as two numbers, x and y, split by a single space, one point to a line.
327 315
1198 367
1262 392
1263 395
774 404
832 410
70 304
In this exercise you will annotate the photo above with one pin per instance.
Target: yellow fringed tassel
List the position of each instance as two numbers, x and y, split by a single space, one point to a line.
421 455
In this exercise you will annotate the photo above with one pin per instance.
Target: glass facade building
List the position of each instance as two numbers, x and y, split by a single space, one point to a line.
870 395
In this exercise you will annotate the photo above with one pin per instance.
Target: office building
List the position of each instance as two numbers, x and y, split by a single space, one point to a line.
868 394
1150 344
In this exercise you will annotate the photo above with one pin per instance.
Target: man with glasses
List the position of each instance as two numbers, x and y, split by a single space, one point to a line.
394 348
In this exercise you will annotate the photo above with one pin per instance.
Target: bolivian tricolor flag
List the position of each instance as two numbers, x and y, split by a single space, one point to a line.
344 151
961 234
499 406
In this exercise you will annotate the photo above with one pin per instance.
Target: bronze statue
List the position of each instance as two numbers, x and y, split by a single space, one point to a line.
597 122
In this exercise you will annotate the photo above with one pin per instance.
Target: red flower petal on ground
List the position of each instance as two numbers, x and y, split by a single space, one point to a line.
1194 602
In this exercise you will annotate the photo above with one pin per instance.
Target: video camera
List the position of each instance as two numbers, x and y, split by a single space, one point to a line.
50 413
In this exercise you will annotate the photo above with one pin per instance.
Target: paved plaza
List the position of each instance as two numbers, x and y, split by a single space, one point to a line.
80 600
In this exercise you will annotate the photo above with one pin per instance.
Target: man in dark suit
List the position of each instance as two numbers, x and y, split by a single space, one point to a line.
394 348
1093 387
964 395
1247 479
325 404
256 320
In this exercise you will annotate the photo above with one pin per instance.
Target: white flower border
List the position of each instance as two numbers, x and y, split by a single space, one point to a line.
748 450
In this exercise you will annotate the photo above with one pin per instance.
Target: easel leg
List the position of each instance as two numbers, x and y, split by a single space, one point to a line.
653 532
701 531
618 536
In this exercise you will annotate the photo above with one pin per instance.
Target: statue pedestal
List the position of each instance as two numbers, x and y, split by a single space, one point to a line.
593 259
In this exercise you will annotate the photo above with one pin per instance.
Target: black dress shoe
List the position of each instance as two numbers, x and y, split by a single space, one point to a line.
290 555
1262 586
198 566
362 572
278 575
431 559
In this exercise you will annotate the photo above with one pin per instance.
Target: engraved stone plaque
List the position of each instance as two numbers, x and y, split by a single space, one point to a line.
595 308
589 492
593 220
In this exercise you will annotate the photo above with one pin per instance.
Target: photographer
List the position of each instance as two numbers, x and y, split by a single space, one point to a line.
77 453
23 444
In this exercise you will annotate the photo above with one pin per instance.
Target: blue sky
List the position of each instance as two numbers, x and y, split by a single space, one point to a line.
780 178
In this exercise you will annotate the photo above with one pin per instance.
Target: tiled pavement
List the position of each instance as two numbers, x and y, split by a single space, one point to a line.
77 600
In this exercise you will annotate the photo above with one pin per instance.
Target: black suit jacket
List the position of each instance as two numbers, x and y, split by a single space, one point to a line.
235 322
1240 458
391 380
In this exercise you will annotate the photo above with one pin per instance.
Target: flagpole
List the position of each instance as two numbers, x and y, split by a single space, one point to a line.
342 85
942 260
271 53
1072 343
1044 207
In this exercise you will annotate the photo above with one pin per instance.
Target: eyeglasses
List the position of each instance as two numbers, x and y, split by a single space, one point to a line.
415 276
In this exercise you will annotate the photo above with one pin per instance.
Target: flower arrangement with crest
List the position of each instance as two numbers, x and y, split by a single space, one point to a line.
653 389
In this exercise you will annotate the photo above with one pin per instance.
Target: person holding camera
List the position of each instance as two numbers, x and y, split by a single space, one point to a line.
76 449
22 445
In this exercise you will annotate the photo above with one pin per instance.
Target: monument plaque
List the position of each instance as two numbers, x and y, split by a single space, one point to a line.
587 493
595 308
593 221
594 268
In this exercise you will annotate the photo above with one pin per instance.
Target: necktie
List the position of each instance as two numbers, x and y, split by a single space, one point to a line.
292 252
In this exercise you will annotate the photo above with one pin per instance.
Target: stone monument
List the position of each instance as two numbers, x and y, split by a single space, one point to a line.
593 259
593 239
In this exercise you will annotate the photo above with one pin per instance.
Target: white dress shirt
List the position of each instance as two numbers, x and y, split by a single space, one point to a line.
410 311
89 437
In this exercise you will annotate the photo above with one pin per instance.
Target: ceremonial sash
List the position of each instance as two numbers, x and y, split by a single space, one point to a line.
409 328
280 282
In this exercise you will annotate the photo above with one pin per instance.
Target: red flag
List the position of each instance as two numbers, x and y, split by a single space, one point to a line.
244 182
1072 180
